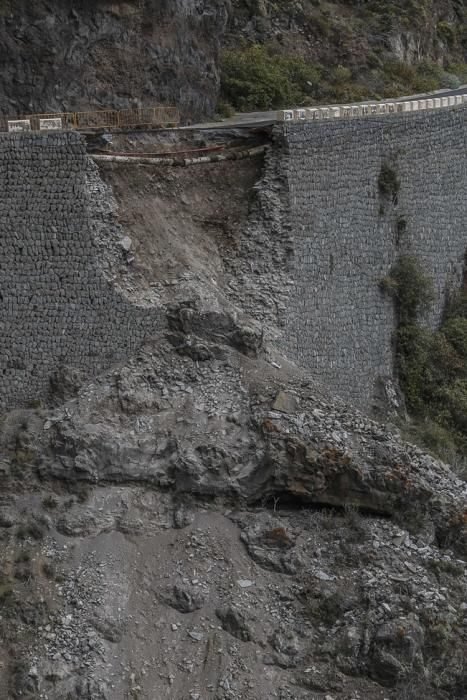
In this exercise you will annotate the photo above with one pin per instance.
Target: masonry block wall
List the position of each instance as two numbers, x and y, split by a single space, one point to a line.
346 235
57 304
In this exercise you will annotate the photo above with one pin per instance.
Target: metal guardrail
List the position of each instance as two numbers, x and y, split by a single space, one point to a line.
98 119
148 115
368 110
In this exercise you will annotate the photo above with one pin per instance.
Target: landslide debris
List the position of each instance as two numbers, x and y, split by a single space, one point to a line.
216 527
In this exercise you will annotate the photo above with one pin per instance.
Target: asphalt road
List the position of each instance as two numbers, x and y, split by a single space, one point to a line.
252 119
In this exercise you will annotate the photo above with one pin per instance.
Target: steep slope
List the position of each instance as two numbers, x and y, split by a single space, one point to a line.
201 520
197 523
63 56
79 55
343 30
333 51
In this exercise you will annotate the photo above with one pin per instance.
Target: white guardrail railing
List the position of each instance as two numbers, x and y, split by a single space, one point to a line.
368 110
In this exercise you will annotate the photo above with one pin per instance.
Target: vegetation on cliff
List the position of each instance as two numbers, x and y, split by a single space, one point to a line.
431 366
288 52
256 53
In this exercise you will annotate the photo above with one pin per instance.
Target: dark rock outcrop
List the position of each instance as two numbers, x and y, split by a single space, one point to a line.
68 56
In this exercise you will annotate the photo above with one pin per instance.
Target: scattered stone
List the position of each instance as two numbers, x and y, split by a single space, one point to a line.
186 599
245 583
182 517
234 622
285 403
126 243
196 636
323 576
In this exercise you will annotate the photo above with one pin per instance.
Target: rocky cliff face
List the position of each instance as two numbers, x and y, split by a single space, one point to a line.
91 55
69 56
349 32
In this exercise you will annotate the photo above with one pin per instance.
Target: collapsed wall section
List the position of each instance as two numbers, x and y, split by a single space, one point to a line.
58 305
347 234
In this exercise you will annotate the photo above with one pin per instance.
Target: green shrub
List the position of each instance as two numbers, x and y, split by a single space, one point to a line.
401 78
437 438
341 74
408 285
22 557
400 72
34 528
260 77
401 229
446 32
459 70
6 589
225 110
388 182
263 76
321 26
49 569
83 493
457 305
455 331
451 81
431 366
412 353
429 77
454 398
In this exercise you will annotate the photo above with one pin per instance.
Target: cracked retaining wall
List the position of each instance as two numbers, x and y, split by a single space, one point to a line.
339 323
58 305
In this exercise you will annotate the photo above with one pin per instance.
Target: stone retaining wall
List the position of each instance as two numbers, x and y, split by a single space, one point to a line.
59 299
346 235
58 305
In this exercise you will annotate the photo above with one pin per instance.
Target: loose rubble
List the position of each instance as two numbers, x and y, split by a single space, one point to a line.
205 543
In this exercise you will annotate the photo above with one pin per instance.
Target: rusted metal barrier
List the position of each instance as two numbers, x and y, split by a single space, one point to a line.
148 115
102 119
97 119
